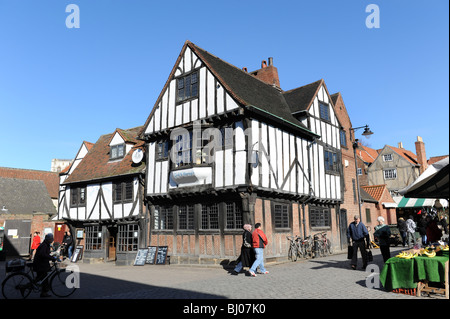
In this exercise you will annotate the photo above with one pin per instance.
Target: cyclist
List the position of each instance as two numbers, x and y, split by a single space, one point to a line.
41 263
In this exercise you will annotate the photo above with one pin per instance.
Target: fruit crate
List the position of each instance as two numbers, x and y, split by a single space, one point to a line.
411 292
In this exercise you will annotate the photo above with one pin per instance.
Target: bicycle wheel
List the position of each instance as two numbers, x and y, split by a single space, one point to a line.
292 253
17 286
329 247
61 283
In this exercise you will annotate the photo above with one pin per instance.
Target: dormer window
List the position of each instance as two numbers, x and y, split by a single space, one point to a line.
187 87
117 151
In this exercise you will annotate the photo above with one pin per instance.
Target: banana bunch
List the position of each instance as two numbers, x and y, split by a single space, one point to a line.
407 255
445 248
428 253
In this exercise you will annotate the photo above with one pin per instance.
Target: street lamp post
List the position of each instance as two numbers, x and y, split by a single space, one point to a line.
367 132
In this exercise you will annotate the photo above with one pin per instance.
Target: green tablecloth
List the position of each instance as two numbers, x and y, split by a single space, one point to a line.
406 273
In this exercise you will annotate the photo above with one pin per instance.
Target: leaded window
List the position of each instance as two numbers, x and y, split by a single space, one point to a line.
281 215
187 87
210 216
186 217
319 217
128 237
93 239
233 216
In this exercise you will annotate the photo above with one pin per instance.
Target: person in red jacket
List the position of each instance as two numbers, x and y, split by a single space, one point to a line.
259 243
35 244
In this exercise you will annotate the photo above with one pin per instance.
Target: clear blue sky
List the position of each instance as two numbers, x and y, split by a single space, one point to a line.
60 86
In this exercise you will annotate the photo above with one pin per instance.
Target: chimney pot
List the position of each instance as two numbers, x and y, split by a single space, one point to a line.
400 145
263 64
270 61
244 69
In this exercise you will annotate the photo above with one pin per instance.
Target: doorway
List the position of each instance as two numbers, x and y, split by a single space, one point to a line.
112 243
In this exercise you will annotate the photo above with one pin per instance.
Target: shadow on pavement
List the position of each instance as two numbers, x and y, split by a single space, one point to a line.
102 287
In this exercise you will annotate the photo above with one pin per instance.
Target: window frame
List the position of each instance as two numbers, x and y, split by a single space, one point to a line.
335 161
93 240
388 157
233 216
324 109
390 173
209 217
163 217
191 85
128 237
76 196
115 154
320 214
186 217
281 219
124 186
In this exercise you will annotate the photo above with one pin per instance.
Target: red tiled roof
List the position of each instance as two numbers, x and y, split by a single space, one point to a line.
367 154
377 192
50 179
97 165
408 155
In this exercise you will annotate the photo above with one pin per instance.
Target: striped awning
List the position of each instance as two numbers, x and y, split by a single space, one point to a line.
419 202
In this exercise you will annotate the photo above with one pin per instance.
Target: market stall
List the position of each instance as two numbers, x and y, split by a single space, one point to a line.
424 270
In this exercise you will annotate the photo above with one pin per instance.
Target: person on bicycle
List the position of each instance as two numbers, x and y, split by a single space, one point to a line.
41 263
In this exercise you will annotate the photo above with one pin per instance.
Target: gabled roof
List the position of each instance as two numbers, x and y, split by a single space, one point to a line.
96 165
378 191
408 155
367 154
300 99
24 196
50 179
250 92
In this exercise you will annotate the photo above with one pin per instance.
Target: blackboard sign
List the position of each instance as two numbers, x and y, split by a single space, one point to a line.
161 255
151 255
77 254
141 257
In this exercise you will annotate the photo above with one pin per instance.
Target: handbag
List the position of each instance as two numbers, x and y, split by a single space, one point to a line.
350 252
369 256
246 244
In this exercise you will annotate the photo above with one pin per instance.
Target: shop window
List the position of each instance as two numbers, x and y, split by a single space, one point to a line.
186 217
210 216
233 216
128 238
163 217
94 238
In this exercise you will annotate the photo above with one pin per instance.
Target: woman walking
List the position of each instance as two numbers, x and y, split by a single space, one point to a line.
383 233
247 256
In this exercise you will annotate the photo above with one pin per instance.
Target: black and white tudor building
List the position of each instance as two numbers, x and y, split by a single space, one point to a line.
223 147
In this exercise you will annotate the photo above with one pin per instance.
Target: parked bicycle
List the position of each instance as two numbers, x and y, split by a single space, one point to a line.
322 245
293 251
20 283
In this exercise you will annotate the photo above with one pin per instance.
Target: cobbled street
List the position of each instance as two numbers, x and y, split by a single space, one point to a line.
322 278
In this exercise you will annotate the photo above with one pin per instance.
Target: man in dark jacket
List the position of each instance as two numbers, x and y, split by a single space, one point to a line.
359 236
41 262
401 224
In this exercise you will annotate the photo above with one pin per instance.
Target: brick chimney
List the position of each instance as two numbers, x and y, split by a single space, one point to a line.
421 155
268 73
